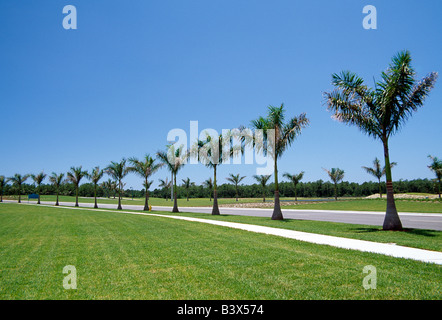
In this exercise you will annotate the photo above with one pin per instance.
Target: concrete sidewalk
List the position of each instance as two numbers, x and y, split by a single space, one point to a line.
345 243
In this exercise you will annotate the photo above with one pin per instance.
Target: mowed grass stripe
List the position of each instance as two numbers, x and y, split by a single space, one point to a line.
120 256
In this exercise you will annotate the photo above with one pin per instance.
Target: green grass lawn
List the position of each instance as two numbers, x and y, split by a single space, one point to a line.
193 202
422 206
123 256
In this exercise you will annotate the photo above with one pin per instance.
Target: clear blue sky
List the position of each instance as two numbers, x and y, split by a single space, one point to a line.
133 70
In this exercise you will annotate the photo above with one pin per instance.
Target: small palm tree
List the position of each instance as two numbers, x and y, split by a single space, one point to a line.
209 185
74 176
187 184
2 186
118 171
145 169
378 172
262 180
165 184
294 178
95 176
382 111
235 179
109 186
284 135
336 175
174 159
38 179
17 180
56 180
211 152
436 167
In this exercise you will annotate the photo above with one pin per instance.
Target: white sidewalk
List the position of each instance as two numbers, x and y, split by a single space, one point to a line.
346 243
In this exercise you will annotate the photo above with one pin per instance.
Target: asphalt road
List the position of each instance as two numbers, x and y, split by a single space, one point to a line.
430 221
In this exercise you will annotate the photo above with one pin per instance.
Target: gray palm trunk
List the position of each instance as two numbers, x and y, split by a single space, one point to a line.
392 220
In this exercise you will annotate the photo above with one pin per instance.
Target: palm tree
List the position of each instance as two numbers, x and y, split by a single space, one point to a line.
284 133
2 186
378 172
118 171
336 175
74 176
165 184
262 180
56 180
294 178
95 176
174 159
187 184
436 166
17 180
209 184
235 179
382 111
210 152
38 179
145 168
109 186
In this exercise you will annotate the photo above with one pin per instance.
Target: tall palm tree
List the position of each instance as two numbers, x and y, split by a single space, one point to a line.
209 185
2 186
174 159
235 179
294 178
95 176
378 172
17 180
118 170
38 179
382 111
210 152
262 180
145 168
166 184
336 175
436 166
284 135
74 176
187 184
56 180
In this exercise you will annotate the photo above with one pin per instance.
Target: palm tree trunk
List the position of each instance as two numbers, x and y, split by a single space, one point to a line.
277 213
336 192
56 202
95 196
438 189
175 202
146 200
215 209
392 220
38 201
19 194
380 189
119 196
76 196
236 189
296 196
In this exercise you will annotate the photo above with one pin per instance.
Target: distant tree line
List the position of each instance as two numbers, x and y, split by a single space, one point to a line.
315 189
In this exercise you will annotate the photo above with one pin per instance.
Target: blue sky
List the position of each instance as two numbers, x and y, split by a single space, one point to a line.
134 70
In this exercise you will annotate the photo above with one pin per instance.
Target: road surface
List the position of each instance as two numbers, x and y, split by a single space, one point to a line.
430 221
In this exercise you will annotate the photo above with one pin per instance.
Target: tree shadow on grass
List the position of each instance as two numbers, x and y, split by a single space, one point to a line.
418 232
